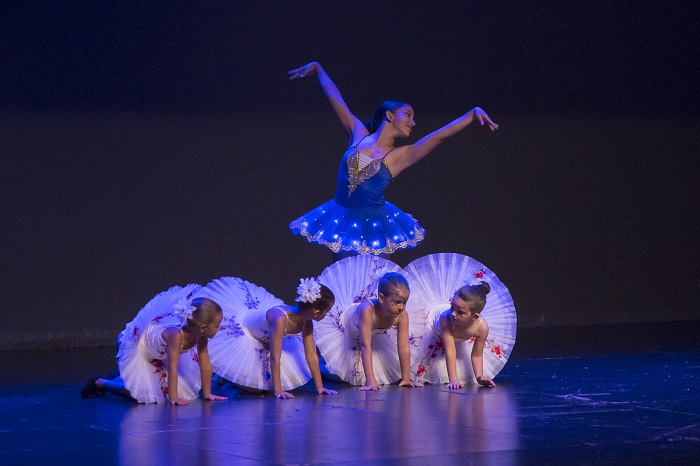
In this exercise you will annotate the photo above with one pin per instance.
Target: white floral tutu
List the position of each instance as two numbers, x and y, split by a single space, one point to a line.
433 280
354 280
142 354
240 351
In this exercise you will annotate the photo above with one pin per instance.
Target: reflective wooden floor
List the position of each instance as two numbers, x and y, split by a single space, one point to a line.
586 395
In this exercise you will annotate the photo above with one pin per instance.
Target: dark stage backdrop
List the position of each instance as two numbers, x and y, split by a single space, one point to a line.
151 144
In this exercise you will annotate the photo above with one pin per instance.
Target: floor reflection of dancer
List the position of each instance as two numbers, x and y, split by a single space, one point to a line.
359 220
139 443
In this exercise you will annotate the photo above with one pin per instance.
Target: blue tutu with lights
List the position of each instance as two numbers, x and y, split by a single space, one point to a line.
366 231
359 219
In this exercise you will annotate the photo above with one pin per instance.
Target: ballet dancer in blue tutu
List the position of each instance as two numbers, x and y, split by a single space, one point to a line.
359 220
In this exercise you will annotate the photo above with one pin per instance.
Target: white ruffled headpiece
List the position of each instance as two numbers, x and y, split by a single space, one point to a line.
309 290
478 278
184 308
379 273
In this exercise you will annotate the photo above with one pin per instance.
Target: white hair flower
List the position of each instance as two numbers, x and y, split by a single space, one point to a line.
309 290
478 278
380 272
184 308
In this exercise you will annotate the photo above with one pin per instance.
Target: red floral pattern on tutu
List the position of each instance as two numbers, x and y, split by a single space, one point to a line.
264 356
334 315
433 350
370 291
231 327
251 302
162 371
438 348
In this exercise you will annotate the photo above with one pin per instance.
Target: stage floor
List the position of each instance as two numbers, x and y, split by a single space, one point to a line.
576 396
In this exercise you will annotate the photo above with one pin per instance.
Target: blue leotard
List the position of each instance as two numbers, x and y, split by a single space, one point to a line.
359 218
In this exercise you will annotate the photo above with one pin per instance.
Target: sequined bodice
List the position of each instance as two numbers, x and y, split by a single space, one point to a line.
361 187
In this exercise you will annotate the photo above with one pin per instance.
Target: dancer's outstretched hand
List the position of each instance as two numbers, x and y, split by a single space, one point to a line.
283 395
212 397
326 391
481 115
304 71
484 382
373 386
409 383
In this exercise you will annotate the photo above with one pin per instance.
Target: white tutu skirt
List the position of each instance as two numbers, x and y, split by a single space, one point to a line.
433 280
354 280
142 357
240 351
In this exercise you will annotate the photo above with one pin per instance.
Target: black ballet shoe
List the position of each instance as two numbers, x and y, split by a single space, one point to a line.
91 389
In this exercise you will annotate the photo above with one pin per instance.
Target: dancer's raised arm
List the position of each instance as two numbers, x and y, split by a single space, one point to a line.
406 156
350 123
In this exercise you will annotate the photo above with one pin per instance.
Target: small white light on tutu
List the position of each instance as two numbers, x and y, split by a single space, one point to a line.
184 308
309 290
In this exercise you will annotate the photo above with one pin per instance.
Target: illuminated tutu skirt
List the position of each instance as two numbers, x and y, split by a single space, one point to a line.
433 280
363 230
240 351
142 354
354 280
